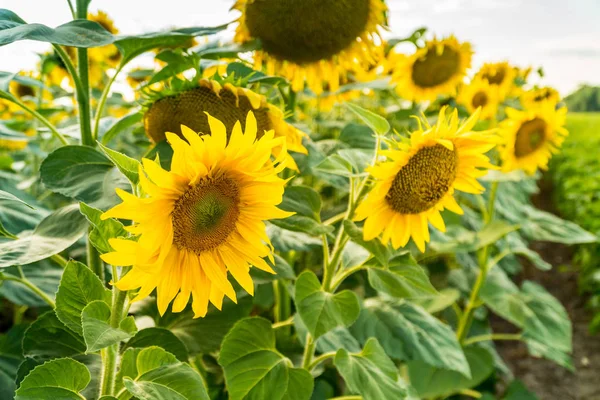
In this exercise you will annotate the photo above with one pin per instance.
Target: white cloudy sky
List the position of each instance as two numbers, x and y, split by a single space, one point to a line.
560 35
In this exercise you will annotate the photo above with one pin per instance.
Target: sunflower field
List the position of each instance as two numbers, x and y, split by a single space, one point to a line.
326 213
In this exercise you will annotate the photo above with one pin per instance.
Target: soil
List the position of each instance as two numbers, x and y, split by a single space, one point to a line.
544 378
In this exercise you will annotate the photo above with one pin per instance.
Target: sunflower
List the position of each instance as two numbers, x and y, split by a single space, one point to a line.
530 137
202 219
501 75
418 180
12 144
477 94
311 41
535 97
227 103
106 55
434 70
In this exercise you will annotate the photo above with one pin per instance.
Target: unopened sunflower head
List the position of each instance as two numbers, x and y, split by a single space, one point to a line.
500 75
479 94
228 103
311 41
537 97
204 219
437 69
530 137
418 179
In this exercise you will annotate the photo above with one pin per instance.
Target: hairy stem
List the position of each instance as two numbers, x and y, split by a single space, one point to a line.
493 336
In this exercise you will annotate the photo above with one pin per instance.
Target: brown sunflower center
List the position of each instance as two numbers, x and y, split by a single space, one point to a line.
24 90
305 31
542 95
188 108
424 180
206 214
496 76
480 99
435 68
530 137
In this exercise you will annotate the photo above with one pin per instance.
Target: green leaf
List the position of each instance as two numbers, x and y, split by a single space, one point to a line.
300 223
545 322
403 278
378 249
121 125
302 200
284 240
78 33
543 226
431 382
255 370
161 377
332 341
335 165
407 332
61 379
370 373
160 337
322 311
54 234
79 287
5 196
469 241
358 136
132 46
127 165
102 229
10 358
360 159
97 331
48 337
45 274
377 123
84 174
440 301
282 269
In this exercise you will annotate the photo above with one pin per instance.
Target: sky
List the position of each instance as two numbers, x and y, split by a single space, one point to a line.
562 36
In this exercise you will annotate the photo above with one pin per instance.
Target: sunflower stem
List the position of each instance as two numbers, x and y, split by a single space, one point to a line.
464 324
30 285
103 98
83 92
493 336
94 261
309 351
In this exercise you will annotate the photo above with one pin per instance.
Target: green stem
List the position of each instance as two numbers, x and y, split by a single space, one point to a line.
325 249
493 336
83 92
60 260
334 219
40 117
320 359
471 393
94 261
103 98
341 277
282 324
68 64
25 282
309 351
73 14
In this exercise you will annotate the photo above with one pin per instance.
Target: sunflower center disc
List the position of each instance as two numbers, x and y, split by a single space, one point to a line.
544 95
424 180
495 77
24 90
305 31
530 137
206 214
479 100
435 68
187 108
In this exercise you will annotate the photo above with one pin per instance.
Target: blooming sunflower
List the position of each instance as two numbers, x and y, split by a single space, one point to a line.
434 70
203 218
535 97
106 55
501 75
227 103
477 94
419 178
530 137
311 41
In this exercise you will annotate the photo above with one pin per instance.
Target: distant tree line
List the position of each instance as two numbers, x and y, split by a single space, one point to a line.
584 99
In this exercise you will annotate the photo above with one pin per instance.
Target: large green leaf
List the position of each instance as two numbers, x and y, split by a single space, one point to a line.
79 287
377 123
127 165
160 337
284 240
84 174
302 200
403 278
78 33
371 373
6 197
381 252
322 311
255 370
431 382
53 234
97 331
61 379
545 322
300 223
407 332
10 358
45 274
48 337
470 241
102 229
160 376
358 136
